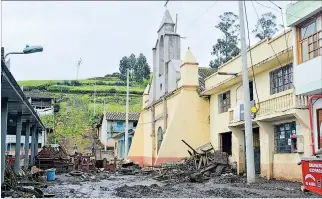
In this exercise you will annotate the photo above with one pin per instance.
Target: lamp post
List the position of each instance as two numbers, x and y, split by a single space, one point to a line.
27 50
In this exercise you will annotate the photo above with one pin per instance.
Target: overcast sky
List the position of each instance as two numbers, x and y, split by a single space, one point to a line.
102 32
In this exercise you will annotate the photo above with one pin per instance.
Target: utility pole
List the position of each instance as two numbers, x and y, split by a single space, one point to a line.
247 116
94 99
104 112
78 65
127 115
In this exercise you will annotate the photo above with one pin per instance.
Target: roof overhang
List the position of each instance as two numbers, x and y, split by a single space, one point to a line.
17 101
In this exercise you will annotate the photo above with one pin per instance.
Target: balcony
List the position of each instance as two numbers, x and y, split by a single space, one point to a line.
118 129
307 76
277 106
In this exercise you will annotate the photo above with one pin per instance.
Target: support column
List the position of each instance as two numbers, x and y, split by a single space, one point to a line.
4 118
18 143
26 162
266 134
36 143
238 148
33 136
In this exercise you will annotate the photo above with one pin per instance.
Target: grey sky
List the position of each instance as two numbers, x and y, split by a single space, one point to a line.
101 33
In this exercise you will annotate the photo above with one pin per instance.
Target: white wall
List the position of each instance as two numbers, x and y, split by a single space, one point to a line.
12 139
308 78
316 105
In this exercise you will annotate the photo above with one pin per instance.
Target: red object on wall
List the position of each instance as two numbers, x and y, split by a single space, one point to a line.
312 175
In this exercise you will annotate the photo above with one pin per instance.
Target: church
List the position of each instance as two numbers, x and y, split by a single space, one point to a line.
173 109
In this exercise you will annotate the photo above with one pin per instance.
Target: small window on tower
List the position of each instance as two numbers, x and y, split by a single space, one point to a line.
160 87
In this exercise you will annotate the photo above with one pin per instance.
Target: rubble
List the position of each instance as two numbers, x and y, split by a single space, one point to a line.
203 162
50 157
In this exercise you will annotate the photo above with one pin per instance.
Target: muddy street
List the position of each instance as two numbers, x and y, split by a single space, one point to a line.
142 186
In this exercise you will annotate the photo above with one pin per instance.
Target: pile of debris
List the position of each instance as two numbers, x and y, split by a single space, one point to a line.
24 185
203 163
83 162
50 157
128 168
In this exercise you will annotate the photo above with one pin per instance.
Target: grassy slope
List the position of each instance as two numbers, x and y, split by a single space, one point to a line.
77 104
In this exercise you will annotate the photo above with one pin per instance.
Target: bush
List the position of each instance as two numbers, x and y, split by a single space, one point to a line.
76 83
66 83
112 90
100 83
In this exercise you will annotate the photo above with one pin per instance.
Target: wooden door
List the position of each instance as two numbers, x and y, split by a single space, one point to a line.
319 125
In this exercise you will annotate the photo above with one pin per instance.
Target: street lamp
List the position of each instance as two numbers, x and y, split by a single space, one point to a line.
227 73
27 50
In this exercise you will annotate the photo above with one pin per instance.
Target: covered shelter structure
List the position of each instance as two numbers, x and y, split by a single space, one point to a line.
18 118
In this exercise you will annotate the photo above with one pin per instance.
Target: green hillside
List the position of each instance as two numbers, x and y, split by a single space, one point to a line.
76 102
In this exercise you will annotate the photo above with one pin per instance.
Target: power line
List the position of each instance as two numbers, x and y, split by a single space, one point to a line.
251 58
202 14
269 42
275 5
285 13
288 55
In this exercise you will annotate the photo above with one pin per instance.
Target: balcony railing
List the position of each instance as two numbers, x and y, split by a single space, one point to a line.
118 129
278 104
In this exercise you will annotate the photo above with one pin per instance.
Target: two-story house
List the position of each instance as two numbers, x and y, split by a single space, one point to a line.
112 124
281 133
305 19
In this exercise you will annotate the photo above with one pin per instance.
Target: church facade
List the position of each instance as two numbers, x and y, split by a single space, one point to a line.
172 108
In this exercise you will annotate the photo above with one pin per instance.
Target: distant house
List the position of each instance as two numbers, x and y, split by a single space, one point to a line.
113 123
44 105
119 140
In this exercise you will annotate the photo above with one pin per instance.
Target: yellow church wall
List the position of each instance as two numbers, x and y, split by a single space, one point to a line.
190 123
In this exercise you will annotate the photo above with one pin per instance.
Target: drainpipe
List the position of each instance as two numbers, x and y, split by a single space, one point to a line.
311 118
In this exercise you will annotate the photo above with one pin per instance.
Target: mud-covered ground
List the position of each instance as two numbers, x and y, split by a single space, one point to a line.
111 185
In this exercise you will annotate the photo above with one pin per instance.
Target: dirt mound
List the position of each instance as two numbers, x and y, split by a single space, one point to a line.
138 191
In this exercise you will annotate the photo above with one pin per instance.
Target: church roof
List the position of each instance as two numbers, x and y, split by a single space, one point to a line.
167 19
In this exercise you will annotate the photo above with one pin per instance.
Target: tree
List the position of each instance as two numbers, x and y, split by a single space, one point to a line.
124 65
265 27
226 48
141 69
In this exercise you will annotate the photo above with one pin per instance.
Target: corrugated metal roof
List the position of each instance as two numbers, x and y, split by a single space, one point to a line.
121 116
203 74
36 94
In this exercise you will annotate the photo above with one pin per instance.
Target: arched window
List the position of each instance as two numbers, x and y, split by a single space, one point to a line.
160 138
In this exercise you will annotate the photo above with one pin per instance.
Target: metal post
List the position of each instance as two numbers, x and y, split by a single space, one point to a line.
126 116
105 143
33 135
37 142
4 118
247 116
18 143
26 162
94 99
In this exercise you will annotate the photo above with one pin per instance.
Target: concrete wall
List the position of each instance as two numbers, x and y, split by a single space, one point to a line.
313 69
